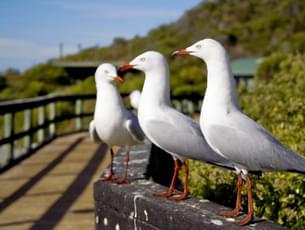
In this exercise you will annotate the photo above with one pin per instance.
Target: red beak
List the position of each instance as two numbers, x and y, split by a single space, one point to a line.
125 67
182 52
118 79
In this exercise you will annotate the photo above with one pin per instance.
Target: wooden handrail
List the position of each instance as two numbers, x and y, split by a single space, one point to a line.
45 128
48 117
30 103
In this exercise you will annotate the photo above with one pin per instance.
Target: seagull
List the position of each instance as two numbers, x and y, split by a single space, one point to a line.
113 124
167 128
230 132
135 97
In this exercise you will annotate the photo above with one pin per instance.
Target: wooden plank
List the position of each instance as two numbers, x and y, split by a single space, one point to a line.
44 181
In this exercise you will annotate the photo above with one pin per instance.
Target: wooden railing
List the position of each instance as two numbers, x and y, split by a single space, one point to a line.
38 125
38 118
143 210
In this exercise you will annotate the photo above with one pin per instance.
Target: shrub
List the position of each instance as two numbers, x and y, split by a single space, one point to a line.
48 74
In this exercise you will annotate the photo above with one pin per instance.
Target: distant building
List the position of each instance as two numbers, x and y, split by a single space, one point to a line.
78 70
244 69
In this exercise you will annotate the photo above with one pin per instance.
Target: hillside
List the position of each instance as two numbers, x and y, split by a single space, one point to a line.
243 26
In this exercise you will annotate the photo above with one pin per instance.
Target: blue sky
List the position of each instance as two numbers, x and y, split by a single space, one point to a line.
31 30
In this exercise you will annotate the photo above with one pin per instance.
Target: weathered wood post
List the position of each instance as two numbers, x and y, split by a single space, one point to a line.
187 107
177 104
52 116
27 125
190 107
8 132
41 121
199 104
184 106
78 112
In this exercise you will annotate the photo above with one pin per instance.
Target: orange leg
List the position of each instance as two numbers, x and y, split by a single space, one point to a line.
248 218
111 176
185 193
238 206
172 186
124 180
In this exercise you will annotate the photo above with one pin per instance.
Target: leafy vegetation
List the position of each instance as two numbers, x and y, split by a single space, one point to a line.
39 80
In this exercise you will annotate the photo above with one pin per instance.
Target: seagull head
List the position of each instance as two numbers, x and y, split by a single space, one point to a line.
206 49
145 62
107 73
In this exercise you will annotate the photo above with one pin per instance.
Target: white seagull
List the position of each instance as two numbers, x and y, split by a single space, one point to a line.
112 122
231 133
167 128
135 97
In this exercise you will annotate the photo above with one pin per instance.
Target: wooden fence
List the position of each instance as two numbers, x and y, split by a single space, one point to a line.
36 131
44 128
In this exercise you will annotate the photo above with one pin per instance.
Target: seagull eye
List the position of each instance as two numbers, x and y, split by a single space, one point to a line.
142 59
198 46
106 71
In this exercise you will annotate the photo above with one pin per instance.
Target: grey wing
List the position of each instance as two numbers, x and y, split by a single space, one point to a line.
187 142
134 129
93 134
250 145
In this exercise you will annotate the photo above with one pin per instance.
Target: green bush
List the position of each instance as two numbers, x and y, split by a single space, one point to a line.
84 86
39 80
278 103
48 74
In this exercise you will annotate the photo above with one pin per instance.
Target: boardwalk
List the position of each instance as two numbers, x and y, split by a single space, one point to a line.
53 188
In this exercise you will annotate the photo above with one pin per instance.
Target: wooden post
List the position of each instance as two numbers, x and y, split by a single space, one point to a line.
27 125
8 132
78 112
200 104
190 108
52 116
41 120
177 104
184 106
